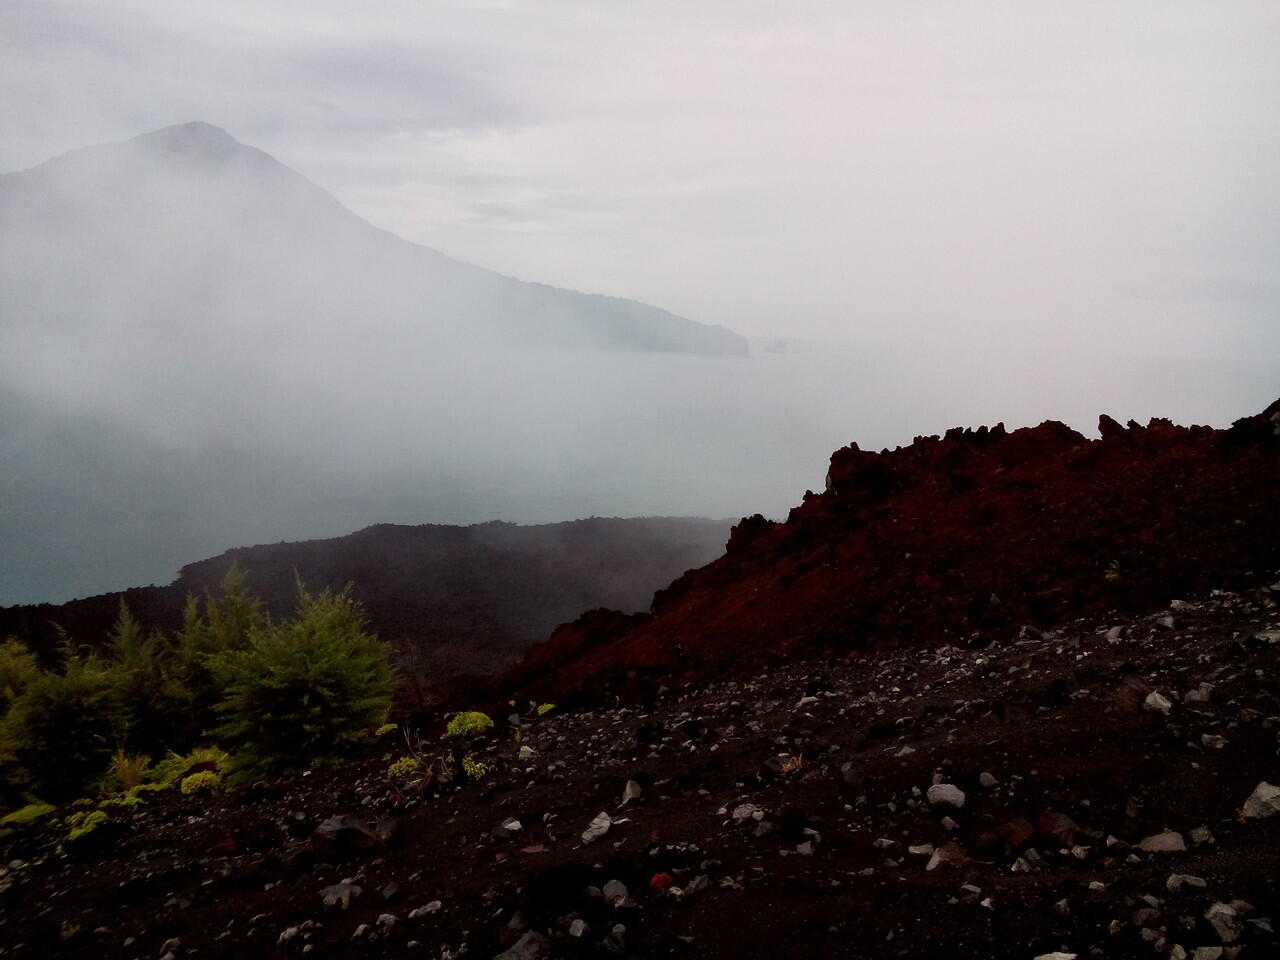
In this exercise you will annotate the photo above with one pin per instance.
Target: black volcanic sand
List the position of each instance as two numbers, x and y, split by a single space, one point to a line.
1056 718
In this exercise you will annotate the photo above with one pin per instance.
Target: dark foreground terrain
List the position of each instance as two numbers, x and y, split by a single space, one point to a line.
1092 781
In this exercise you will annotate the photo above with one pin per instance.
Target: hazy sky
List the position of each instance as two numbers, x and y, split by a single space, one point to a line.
1046 173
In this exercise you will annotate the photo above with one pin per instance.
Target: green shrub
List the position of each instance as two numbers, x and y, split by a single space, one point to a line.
473 768
544 708
385 729
206 781
32 811
18 669
402 768
305 691
62 729
468 723
154 703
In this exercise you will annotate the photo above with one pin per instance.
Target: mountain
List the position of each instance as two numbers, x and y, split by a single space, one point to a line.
201 348
187 232
451 600
952 540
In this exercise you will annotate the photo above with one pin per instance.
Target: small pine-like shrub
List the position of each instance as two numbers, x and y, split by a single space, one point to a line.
173 767
473 768
18 668
305 691
32 811
62 729
206 781
402 768
468 723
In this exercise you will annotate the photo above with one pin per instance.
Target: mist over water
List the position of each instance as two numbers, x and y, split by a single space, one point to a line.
117 479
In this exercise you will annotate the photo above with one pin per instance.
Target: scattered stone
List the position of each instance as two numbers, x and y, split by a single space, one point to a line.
1157 703
598 827
286 935
577 928
1177 881
1225 919
1201 835
851 774
387 920
433 907
1057 827
1056 955
950 853
631 791
615 891
1166 842
987 780
340 895
921 850
531 946
526 753
1262 803
945 793
744 811
1207 953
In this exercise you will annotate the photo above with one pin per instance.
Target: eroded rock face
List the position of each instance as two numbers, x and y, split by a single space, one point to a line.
978 531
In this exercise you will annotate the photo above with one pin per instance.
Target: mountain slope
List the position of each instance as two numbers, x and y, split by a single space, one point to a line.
187 229
451 600
973 534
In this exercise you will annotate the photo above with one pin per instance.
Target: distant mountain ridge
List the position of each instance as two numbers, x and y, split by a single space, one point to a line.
452 600
135 227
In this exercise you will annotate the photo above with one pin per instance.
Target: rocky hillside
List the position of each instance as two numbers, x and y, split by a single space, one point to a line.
452 600
951 541
1102 788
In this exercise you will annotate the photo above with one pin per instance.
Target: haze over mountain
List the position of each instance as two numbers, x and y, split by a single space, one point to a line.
186 229
202 349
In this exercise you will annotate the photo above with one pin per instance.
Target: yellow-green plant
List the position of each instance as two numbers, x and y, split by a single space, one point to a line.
386 728
473 768
129 769
32 811
544 708
402 767
206 781
86 823
468 723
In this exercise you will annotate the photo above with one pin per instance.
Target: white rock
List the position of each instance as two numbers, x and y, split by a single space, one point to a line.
630 792
744 810
598 827
987 780
287 934
945 793
1177 881
1263 802
1056 955
1166 842
526 753
1157 702
577 928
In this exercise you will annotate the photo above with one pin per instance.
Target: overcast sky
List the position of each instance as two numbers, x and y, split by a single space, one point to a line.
1052 174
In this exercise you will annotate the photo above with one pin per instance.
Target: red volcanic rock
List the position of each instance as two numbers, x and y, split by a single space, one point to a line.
955 540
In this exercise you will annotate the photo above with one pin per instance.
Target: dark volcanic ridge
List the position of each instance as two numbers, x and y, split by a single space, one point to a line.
951 540
451 600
